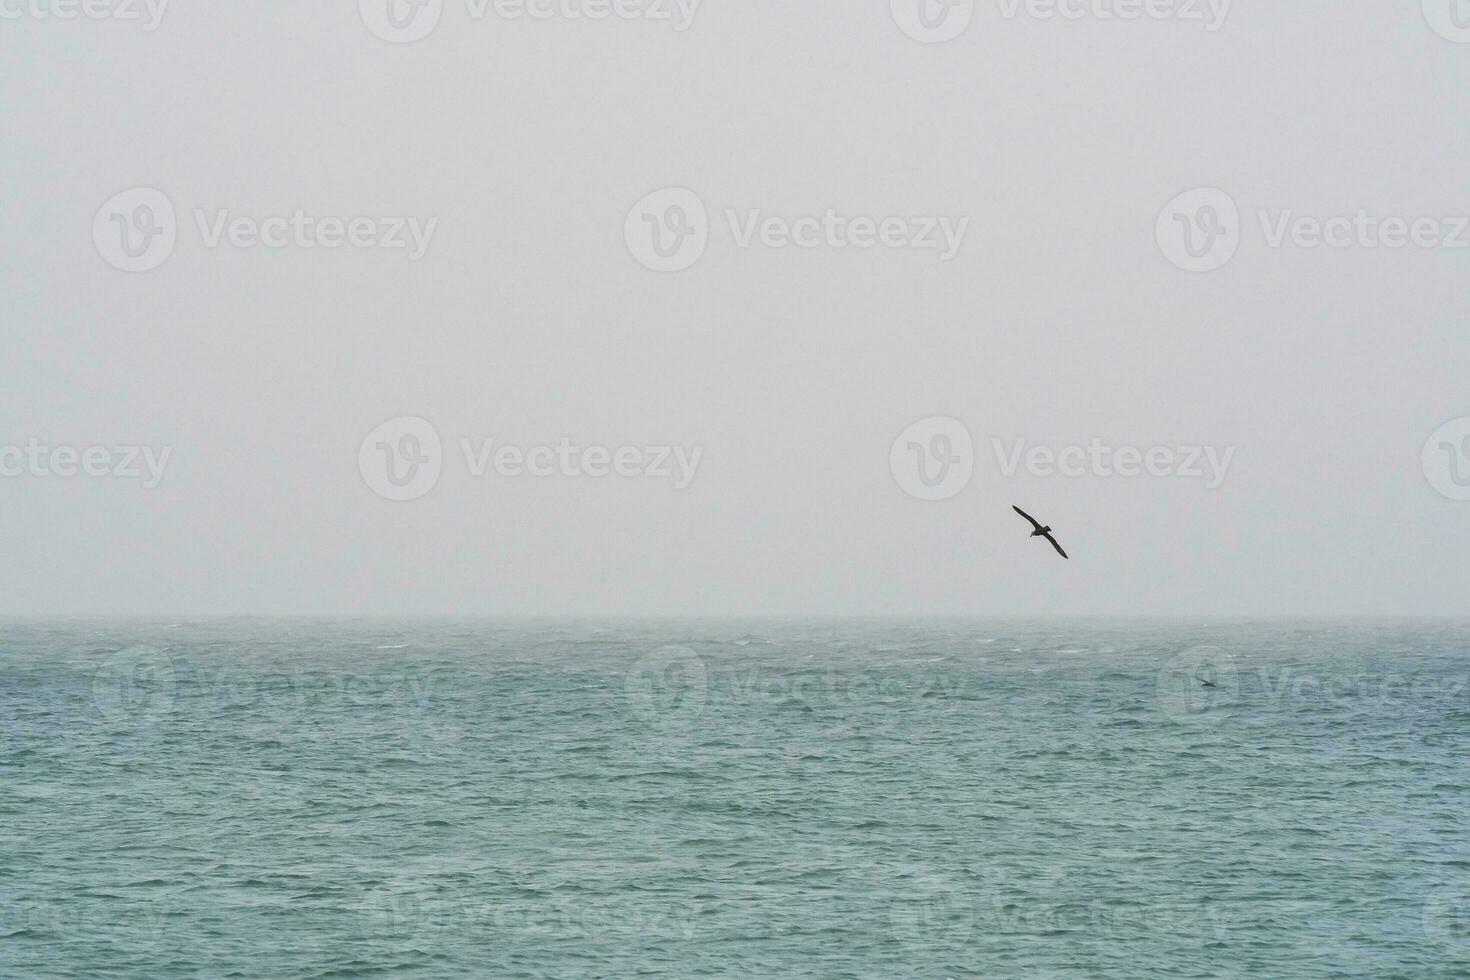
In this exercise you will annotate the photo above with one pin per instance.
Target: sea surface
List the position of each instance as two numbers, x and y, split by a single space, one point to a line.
313 798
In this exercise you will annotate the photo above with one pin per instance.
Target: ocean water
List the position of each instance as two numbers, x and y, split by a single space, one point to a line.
734 799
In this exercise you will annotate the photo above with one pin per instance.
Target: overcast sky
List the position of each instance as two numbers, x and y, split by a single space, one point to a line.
1040 157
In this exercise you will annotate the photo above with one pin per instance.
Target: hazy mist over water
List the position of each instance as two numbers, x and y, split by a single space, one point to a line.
687 798
1079 160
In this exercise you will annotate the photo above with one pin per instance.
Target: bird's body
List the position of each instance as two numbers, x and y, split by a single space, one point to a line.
1040 530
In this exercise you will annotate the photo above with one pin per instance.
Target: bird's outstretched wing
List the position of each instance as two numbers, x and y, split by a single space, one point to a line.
1056 546
1035 524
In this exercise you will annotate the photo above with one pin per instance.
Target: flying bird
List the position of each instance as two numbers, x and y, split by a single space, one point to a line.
1040 531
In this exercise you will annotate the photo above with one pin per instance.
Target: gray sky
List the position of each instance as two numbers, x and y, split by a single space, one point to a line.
1060 320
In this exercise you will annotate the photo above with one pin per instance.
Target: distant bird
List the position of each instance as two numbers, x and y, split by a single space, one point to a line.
1040 531
1207 684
